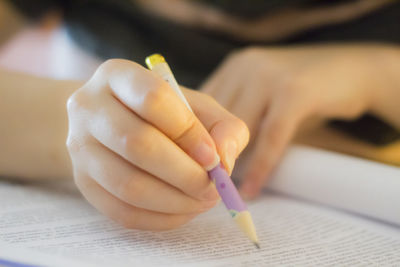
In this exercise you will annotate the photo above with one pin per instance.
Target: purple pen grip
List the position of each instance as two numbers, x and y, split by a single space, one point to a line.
226 189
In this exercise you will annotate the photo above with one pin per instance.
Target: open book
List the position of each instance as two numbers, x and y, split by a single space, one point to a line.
321 208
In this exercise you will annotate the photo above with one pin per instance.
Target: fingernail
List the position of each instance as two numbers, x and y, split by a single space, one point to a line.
214 164
230 155
205 155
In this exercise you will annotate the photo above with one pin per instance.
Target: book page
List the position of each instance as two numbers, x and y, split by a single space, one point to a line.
357 185
55 221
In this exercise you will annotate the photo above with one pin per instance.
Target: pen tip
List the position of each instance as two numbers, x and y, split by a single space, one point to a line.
257 245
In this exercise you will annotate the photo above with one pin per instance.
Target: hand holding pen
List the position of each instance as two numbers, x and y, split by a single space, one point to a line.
139 154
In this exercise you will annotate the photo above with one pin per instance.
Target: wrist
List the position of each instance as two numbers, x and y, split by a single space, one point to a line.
34 126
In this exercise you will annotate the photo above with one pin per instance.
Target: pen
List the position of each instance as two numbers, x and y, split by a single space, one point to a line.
218 175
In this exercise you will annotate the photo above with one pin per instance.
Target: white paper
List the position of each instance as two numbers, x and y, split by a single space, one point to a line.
344 182
50 220
15 256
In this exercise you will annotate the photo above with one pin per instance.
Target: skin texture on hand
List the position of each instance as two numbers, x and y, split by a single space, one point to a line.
138 153
33 127
274 90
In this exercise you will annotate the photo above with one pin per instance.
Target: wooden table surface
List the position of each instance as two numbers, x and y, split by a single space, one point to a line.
331 139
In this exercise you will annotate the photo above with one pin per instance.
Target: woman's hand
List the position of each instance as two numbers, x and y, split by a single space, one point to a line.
275 90
139 155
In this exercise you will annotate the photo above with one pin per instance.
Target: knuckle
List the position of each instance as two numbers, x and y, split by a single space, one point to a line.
77 101
104 70
114 66
73 144
139 143
109 65
156 94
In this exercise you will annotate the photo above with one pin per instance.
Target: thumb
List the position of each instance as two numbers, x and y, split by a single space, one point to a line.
229 133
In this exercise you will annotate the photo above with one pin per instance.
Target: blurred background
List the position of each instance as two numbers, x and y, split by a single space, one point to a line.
68 39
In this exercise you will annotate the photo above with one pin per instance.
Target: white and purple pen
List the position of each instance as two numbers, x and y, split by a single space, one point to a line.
225 187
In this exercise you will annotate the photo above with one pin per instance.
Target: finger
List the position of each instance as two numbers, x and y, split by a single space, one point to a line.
134 186
225 85
228 89
276 131
249 108
120 130
125 214
210 86
229 133
149 96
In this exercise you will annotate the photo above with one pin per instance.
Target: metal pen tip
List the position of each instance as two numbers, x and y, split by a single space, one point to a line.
257 245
